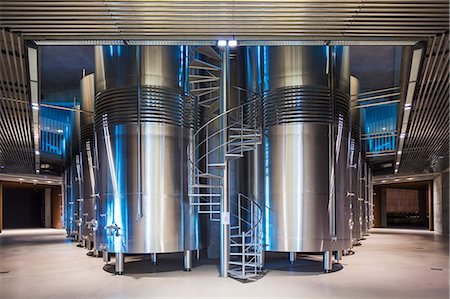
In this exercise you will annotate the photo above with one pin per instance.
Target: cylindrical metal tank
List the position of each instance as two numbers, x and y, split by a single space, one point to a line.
356 162
87 91
143 124
306 107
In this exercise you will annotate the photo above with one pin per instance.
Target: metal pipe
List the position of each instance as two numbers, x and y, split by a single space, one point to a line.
225 201
120 263
187 260
327 261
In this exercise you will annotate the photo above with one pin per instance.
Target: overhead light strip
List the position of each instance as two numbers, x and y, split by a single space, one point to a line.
132 42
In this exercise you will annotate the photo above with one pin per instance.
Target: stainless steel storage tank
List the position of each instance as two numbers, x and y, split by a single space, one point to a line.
357 167
87 162
306 115
143 124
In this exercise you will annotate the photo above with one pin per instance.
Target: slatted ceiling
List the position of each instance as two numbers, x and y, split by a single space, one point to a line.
427 138
245 19
16 145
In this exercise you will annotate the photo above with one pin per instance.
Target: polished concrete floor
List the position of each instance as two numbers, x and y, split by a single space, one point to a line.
390 263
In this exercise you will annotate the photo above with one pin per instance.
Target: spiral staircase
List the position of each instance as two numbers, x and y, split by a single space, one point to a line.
212 146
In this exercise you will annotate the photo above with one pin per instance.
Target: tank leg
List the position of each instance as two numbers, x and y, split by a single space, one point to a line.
198 254
338 256
292 257
105 257
119 263
154 259
187 260
327 261
345 252
263 259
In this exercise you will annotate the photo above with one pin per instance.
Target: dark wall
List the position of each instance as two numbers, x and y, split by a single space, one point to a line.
22 208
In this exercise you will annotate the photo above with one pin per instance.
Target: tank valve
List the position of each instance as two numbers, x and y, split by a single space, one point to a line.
113 230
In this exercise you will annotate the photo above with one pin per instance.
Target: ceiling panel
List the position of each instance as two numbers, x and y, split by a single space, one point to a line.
426 146
16 144
210 20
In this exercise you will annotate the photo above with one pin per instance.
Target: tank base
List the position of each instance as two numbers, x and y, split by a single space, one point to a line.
327 261
187 260
120 263
292 257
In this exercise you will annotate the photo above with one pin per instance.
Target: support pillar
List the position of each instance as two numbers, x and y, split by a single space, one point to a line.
225 200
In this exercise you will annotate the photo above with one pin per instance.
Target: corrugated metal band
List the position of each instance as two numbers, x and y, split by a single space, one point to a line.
87 134
157 105
305 104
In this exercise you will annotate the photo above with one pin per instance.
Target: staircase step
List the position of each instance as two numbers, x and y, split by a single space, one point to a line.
245 136
208 175
246 264
216 165
198 92
201 79
208 212
233 156
205 186
203 65
246 254
205 203
237 273
250 244
203 195
243 130
239 236
209 101
209 52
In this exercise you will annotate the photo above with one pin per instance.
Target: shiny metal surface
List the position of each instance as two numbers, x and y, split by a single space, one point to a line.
356 162
306 114
143 125
87 91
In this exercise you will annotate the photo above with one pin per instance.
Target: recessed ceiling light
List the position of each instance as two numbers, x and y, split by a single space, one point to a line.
399 152
21 179
396 180
49 182
397 163
383 181
232 43
410 179
34 180
221 43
